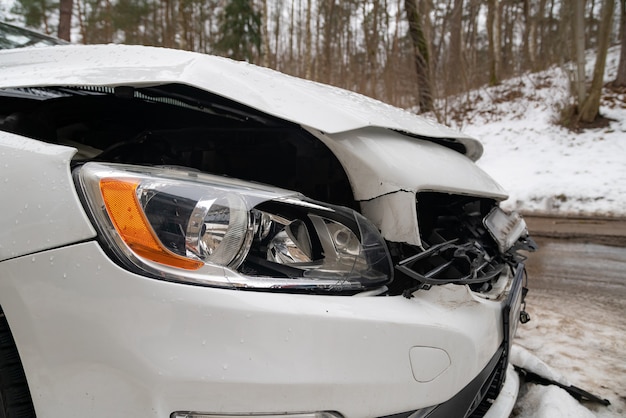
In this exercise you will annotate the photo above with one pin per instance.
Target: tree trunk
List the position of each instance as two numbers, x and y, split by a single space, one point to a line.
591 27
527 34
308 70
470 43
420 52
44 17
620 80
329 10
494 36
291 31
65 19
391 81
265 55
536 34
548 41
277 32
108 29
590 108
509 20
563 43
81 22
579 40
454 79
182 23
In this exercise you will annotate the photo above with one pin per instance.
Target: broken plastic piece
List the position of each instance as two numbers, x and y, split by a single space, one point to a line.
576 392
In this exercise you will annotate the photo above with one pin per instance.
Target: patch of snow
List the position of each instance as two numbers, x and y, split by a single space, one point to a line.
524 359
549 402
546 168
581 340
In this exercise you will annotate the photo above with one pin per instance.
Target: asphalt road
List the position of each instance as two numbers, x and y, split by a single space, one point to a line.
583 258
580 269
611 231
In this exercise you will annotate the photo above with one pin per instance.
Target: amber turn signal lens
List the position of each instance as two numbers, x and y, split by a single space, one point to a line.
120 199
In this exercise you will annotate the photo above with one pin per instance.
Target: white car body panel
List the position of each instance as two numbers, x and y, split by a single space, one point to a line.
40 208
401 163
307 103
152 347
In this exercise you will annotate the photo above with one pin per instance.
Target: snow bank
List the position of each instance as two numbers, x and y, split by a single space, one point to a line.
548 169
524 359
549 402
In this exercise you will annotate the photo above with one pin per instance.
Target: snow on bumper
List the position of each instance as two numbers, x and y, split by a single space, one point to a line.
97 340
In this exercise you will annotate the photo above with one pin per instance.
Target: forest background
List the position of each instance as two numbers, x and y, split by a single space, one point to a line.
415 54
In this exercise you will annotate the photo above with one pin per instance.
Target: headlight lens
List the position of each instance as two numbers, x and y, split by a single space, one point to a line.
505 228
187 226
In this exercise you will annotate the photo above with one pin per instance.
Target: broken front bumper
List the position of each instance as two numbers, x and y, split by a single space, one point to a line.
98 341
493 392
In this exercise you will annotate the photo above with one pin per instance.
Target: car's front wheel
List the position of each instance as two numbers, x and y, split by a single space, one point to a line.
15 400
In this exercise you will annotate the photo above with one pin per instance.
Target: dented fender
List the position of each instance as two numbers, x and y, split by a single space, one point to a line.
387 169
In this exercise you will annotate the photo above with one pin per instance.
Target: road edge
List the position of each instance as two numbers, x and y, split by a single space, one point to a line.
608 231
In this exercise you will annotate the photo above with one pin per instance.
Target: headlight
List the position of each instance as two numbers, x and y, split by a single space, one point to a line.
505 228
188 226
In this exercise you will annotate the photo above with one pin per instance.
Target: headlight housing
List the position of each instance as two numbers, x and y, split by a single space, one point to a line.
187 226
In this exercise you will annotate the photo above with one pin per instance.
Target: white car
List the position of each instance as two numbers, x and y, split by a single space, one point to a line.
188 236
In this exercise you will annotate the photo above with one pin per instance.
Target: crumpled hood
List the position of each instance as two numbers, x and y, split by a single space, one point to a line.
379 162
318 106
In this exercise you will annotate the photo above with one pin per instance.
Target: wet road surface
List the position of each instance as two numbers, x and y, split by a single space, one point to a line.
580 270
611 231
577 302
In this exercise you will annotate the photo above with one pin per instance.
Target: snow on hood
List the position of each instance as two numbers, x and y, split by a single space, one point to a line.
322 107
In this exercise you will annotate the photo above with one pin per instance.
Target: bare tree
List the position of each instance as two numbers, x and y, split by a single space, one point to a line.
579 41
308 44
620 79
65 19
420 54
471 45
81 21
455 65
591 106
535 33
494 12
265 52
328 9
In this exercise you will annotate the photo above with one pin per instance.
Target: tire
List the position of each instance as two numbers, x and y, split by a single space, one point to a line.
15 400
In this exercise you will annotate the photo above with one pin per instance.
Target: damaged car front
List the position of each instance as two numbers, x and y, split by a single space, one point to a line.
188 236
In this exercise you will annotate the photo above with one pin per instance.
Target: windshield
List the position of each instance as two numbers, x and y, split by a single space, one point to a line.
16 37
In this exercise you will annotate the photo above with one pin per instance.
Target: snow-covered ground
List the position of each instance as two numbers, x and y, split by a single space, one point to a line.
546 168
580 343
550 170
